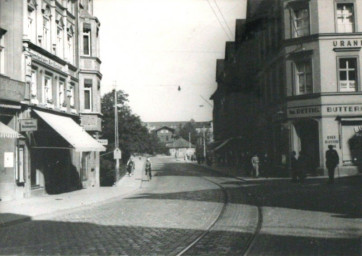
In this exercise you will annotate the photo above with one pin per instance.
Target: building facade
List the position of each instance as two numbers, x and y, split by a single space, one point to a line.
302 83
50 84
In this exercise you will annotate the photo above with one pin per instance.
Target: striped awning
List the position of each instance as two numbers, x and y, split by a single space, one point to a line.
7 132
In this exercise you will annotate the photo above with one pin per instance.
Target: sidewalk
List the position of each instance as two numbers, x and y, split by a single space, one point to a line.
27 209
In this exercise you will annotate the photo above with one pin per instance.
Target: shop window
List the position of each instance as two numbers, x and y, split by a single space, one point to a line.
88 94
300 20
303 77
86 39
61 92
347 70
345 18
47 90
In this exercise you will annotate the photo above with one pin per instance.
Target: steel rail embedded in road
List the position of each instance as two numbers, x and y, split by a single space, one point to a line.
251 241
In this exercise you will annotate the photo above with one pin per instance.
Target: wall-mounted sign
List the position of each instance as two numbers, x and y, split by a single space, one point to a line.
117 154
331 139
8 159
103 142
348 43
340 109
304 111
28 125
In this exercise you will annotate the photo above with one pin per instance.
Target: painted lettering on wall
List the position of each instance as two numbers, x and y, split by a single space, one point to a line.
343 109
347 43
303 111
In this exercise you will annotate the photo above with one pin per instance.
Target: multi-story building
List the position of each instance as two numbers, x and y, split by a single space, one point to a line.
50 94
296 66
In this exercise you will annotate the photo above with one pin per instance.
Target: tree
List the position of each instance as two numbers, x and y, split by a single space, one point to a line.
188 131
133 135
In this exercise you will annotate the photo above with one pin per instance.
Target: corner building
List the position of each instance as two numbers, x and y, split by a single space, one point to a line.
50 97
306 86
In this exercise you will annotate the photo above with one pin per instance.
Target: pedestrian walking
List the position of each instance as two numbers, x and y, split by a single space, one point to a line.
255 163
148 168
332 160
130 166
293 166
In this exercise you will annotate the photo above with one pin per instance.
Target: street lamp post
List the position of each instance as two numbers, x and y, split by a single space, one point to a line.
117 152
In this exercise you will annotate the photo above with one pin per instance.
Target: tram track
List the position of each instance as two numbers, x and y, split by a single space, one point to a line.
250 241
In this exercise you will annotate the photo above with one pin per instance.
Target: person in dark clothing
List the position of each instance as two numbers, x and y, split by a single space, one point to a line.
148 169
293 166
130 166
302 165
332 160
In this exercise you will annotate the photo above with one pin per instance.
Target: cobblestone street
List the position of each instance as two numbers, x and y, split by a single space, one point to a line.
183 201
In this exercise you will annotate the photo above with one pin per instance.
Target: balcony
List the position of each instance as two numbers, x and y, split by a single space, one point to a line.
11 90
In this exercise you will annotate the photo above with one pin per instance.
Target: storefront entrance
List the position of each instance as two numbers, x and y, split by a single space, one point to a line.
308 134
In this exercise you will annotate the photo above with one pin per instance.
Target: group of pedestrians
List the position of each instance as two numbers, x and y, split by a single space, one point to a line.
130 166
300 165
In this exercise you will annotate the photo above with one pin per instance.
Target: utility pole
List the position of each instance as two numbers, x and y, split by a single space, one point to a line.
116 138
204 141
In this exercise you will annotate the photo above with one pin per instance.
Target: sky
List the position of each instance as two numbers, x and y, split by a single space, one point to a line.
151 47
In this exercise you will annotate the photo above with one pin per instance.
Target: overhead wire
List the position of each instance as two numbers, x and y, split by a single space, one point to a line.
218 19
226 24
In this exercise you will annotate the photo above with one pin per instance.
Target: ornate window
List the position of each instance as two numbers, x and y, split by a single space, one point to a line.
34 84
70 43
31 20
46 27
60 37
61 93
47 90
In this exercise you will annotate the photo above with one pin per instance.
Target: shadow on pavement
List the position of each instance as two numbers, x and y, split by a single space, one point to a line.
82 238
342 198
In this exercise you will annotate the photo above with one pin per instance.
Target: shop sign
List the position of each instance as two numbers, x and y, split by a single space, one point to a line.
28 125
304 111
331 139
117 154
342 109
347 43
46 60
8 159
103 142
